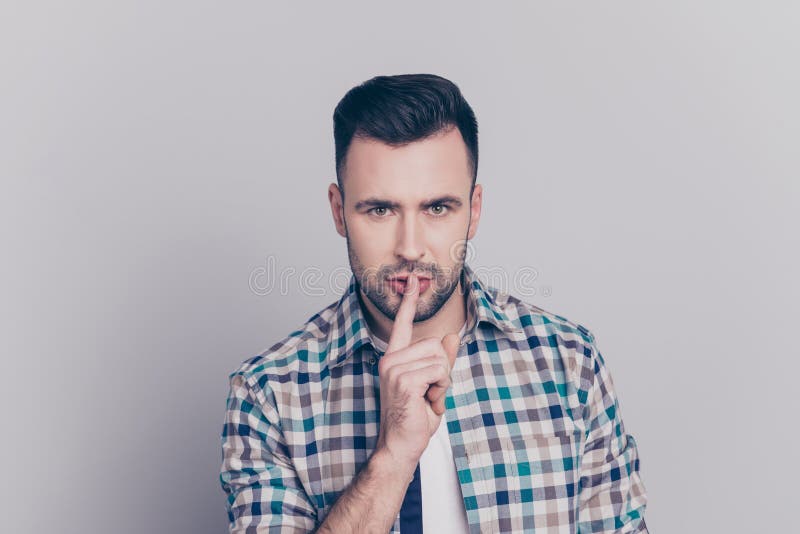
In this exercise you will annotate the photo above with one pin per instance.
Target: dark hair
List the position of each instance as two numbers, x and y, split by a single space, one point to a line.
399 109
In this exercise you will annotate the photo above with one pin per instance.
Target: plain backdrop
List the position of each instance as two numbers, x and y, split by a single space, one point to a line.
641 157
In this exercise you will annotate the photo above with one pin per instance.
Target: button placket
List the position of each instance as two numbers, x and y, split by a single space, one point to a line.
374 357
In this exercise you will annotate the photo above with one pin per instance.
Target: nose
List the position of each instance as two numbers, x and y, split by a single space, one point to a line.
410 242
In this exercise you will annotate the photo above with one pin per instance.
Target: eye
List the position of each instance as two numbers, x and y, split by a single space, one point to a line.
378 211
439 210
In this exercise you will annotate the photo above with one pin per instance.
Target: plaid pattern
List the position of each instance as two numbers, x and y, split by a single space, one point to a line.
534 423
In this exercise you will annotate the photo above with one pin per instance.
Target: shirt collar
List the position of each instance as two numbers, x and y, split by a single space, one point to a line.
350 332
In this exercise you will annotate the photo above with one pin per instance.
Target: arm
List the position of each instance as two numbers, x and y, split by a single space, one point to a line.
611 494
373 500
413 382
264 493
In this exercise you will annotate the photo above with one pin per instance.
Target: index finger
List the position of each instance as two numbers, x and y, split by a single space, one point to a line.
400 337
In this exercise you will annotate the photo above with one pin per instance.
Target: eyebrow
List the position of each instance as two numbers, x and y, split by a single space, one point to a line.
373 202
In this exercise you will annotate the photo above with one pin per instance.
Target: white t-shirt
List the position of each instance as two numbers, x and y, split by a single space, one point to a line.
443 509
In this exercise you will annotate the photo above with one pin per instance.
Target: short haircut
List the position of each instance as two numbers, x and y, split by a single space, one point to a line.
400 109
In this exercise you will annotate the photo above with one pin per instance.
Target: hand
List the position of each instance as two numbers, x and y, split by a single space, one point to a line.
413 383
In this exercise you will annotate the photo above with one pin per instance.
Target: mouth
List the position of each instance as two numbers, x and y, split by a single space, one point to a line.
398 283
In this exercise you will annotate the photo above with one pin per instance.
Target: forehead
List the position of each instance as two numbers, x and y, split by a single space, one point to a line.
436 165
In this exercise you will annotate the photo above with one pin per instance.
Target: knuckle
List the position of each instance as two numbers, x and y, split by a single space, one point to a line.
430 360
432 346
430 343
403 382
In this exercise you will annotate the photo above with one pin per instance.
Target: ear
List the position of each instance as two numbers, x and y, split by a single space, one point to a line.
337 208
475 204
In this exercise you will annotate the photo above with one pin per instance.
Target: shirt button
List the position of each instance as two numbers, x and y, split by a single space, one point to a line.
372 360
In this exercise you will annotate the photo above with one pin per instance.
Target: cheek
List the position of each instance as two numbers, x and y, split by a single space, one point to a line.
371 245
445 239
362 227
368 234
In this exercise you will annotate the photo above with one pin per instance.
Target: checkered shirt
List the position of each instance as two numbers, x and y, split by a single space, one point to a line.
534 423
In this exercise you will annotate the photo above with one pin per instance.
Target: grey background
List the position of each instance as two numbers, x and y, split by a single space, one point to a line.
641 156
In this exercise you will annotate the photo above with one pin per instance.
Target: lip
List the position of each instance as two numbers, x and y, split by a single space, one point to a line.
399 285
404 277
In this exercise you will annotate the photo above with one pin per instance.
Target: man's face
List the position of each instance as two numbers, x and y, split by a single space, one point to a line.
407 209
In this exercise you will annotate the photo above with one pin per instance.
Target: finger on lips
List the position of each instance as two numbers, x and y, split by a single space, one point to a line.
400 337
404 361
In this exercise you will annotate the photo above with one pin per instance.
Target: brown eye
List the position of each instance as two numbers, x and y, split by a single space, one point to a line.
376 211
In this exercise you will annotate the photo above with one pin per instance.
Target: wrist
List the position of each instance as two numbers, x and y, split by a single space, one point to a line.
389 467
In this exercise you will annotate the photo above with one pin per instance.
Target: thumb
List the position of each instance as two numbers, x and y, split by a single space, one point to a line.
435 394
451 342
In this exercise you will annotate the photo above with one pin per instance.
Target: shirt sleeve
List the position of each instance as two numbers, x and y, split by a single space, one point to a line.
257 474
611 495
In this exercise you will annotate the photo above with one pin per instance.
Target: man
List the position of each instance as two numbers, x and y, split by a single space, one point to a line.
423 397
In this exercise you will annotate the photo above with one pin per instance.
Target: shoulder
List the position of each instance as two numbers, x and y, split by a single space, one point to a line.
540 321
303 352
565 344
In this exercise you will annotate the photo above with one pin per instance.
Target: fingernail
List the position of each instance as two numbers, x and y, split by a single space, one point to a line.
411 283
